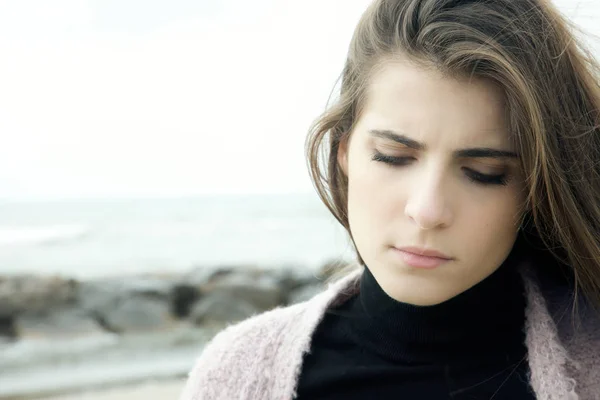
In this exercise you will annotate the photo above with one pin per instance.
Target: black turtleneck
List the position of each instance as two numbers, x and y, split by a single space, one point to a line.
469 347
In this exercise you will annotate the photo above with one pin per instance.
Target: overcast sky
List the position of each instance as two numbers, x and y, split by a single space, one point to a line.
144 97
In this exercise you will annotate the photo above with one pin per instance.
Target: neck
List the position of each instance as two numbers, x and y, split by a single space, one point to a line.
490 312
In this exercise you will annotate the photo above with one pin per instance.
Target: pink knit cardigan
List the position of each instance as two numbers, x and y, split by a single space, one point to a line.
261 358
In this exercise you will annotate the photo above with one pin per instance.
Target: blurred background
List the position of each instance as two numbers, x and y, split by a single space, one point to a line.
153 186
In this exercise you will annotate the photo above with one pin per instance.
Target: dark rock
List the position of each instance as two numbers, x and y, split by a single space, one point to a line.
128 305
19 294
99 295
293 277
252 287
203 275
238 295
185 293
147 287
57 323
220 308
7 327
138 313
304 293
183 297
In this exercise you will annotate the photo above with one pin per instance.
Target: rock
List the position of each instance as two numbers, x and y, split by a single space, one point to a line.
19 294
128 305
255 288
186 291
100 294
237 295
62 323
203 275
205 280
304 293
182 299
147 287
138 313
220 308
293 277
100 297
7 327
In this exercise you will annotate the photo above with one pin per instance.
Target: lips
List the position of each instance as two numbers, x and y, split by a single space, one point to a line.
424 252
416 257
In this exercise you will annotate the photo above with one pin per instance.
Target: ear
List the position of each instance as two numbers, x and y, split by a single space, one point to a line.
342 154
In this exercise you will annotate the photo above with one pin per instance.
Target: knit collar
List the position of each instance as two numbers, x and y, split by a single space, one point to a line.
557 367
486 319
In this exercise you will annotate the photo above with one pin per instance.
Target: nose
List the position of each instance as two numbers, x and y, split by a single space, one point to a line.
428 205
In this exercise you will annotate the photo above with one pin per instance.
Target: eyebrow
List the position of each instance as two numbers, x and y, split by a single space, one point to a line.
478 152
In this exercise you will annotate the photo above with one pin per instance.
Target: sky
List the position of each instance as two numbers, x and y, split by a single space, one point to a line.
130 98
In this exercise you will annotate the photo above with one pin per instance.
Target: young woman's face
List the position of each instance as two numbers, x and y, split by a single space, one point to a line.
430 166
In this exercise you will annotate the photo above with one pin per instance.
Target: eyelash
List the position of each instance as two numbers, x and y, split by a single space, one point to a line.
473 176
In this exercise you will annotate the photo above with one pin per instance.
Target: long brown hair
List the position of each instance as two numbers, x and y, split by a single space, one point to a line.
551 85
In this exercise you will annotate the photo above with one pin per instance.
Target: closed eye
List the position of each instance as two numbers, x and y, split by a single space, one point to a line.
473 175
392 160
486 179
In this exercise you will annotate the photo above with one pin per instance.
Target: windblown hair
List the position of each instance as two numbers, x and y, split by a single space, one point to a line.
552 90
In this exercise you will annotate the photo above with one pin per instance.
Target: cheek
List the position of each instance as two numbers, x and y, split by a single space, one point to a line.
491 222
363 190
374 196
366 185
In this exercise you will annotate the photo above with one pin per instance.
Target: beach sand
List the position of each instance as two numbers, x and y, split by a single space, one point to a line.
167 390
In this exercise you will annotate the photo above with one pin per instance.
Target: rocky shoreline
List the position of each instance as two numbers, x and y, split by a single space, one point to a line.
53 325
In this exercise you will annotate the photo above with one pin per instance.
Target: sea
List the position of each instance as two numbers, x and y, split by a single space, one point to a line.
87 239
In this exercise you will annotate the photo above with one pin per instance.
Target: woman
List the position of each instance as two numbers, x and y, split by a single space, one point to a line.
463 162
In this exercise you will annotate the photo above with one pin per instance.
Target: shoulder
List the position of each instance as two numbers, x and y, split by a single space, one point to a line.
262 356
562 323
239 361
261 329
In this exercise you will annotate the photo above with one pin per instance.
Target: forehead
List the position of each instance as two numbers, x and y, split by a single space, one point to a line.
426 104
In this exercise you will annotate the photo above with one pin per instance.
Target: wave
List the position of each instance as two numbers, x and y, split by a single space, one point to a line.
34 236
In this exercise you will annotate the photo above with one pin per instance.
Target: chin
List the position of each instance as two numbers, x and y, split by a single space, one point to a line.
418 287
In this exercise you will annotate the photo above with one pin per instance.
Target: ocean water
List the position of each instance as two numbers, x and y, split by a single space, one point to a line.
96 238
